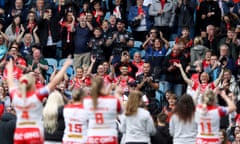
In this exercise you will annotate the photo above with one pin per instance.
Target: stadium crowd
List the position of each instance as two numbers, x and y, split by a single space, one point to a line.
119 71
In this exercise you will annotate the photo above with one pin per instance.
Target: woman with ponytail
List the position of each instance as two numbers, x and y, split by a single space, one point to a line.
27 101
102 110
75 118
208 116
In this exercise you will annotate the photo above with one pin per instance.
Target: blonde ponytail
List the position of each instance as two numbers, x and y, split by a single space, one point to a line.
97 85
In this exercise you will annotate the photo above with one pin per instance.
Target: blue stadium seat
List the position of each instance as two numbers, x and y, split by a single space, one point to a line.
61 62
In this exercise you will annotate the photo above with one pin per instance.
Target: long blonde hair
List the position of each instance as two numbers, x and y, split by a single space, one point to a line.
97 85
134 101
27 82
208 99
50 111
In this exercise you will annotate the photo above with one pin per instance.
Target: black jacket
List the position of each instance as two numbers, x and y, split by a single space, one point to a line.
162 136
174 76
58 133
7 127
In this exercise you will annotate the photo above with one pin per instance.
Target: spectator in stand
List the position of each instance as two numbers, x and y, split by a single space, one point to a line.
169 108
149 42
147 82
77 81
98 12
207 117
31 22
198 51
8 125
53 118
49 31
137 123
85 7
118 9
203 82
173 78
231 41
113 23
210 14
155 55
14 29
119 41
182 125
67 30
3 46
236 8
224 58
4 98
138 62
101 125
233 85
125 60
214 68
38 8
38 61
163 13
17 9
207 60
185 12
75 128
26 41
81 38
210 40
97 45
124 80
31 118
228 21
139 20
225 6
39 78
17 70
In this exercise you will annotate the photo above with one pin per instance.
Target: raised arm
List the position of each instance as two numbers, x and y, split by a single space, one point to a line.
10 79
20 36
93 60
230 104
186 79
216 82
56 80
35 36
166 42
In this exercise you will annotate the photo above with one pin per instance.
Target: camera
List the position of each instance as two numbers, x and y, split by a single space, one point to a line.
192 69
223 60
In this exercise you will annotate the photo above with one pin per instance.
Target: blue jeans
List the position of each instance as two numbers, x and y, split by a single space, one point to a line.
160 93
176 88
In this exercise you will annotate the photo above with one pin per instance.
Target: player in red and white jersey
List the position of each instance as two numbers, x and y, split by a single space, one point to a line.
75 118
102 110
207 117
27 101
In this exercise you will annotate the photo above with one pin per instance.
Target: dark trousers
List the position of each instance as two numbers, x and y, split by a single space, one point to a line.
139 35
49 51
